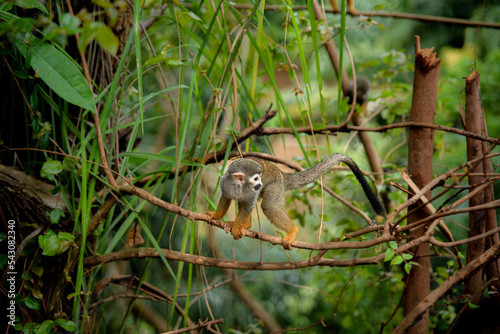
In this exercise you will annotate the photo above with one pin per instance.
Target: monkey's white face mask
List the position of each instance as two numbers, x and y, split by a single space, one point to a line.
255 181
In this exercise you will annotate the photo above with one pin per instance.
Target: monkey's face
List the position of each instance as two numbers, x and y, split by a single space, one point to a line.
243 180
254 182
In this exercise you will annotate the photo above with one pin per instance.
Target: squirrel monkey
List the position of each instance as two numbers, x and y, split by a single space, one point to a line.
363 86
249 179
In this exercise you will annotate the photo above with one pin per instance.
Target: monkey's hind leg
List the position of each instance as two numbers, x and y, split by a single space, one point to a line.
280 219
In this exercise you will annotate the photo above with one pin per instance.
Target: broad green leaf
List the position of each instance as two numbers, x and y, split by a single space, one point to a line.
55 216
37 294
324 217
389 254
107 40
29 4
407 256
46 327
53 244
49 243
52 167
68 325
102 34
408 268
32 303
59 73
70 164
397 260
393 244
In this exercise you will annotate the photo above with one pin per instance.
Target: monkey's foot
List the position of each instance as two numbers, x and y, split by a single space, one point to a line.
237 231
289 238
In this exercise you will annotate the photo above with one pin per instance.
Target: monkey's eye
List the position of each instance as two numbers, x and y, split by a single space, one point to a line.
256 181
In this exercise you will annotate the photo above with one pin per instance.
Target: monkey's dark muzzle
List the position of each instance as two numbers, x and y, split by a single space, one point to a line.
257 186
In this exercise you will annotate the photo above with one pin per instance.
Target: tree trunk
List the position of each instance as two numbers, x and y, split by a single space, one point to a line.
420 152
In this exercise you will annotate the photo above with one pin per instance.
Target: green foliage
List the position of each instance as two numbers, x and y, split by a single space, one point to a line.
55 244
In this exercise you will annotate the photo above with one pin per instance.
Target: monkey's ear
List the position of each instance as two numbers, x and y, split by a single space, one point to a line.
239 177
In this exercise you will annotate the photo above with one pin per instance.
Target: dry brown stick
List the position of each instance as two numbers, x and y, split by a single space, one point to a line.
464 241
335 128
451 210
254 128
201 324
431 298
408 16
423 190
119 296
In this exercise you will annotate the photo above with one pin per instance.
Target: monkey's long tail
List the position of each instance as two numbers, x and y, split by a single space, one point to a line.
300 179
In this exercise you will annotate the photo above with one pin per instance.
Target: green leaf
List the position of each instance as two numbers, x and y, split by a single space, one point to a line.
68 325
393 244
325 218
70 164
407 256
46 327
408 268
414 263
107 40
102 34
315 192
29 4
32 303
397 260
155 60
389 254
49 243
37 294
174 62
52 167
55 216
193 16
53 244
472 306
55 190
70 23
59 73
